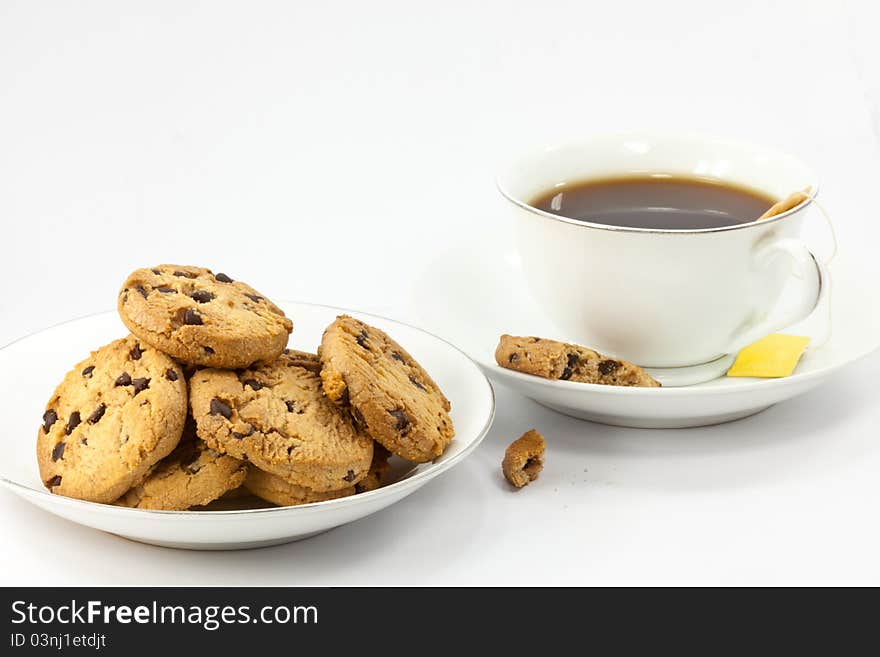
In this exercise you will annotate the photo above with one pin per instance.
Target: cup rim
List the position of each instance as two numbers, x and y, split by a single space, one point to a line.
811 195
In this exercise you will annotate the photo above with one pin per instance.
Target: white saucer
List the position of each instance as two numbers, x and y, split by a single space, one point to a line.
34 365
471 297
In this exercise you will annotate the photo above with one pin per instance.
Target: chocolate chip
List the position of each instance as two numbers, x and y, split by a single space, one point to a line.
84 441
140 385
512 358
156 271
402 419
253 297
192 318
239 436
606 367
49 418
97 414
141 291
361 339
88 371
135 353
58 451
54 481
208 350
222 278
219 407
349 477
569 367
171 375
72 423
167 290
358 419
416 383
123 379
202 296
185 274
290 449
396 356
253 384
291 406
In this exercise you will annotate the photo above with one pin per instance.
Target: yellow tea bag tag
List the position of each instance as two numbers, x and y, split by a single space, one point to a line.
770 357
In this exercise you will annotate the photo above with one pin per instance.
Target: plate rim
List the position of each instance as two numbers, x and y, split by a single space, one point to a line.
426 475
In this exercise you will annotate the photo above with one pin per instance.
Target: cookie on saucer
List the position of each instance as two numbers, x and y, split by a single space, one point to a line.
192 475
278 490
568 362
202 318
379 470
386 391
304 359
113 417
276 416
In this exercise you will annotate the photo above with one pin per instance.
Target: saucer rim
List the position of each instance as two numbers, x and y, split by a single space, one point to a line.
752 383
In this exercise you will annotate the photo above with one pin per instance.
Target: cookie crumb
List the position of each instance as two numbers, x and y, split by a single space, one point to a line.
524 459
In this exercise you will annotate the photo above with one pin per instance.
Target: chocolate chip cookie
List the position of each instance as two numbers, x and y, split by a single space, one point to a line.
568 362
278 490
524 459
378 473
192 475
276 416
202 318
386 391
114 416
304 359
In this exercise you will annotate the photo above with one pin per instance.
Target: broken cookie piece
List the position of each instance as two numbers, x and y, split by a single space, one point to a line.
524 459
568 362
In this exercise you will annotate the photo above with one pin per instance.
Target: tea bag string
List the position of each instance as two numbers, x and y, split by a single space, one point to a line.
818 344
831 229
795 199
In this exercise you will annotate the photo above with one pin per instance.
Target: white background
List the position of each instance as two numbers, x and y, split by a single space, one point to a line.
328 151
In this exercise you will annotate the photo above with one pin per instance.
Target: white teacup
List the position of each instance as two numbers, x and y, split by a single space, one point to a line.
664 298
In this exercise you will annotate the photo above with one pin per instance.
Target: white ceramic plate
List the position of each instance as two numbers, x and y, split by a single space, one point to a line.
472 297
34 365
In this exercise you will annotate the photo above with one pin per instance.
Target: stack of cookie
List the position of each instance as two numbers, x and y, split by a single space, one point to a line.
204 400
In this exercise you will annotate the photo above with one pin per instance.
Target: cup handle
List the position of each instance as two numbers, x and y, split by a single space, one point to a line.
814 288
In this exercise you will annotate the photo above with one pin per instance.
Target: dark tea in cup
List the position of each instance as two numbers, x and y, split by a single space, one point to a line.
656 201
